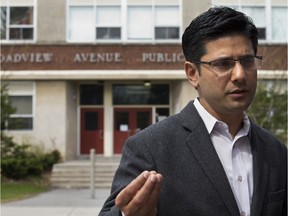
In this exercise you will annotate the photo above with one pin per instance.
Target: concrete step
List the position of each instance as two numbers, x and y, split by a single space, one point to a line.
77 174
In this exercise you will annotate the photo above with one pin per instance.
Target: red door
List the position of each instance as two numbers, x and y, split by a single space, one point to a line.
91 135
128 121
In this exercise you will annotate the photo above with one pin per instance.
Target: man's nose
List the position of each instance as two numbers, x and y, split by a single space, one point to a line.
238 72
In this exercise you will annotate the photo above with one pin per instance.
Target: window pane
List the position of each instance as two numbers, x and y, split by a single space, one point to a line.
139 94
166 32
261 33
20 33
108 33
161 14
122 118
140 23
108 16
81 24
143 120
3 14
23 104
20 124
91 121
91 94
279 24
21 15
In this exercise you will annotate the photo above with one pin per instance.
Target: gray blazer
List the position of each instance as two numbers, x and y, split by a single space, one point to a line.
195 182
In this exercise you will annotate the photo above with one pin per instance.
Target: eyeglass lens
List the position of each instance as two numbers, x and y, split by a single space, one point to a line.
227 64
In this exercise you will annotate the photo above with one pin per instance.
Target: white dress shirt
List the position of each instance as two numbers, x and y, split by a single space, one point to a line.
235 155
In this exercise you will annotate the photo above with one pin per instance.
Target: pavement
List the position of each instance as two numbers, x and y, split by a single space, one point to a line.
58 202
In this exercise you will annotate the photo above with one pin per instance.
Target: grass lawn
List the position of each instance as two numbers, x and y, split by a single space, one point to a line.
16 190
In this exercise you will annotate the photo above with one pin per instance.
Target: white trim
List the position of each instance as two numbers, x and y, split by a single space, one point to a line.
92 74
116 74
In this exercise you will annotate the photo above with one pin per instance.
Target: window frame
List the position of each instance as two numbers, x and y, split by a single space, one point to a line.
9 26
23 93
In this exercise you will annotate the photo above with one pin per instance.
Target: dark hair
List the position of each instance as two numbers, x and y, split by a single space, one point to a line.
213 24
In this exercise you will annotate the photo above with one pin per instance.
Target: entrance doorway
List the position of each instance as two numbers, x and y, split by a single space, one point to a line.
127 122
91 134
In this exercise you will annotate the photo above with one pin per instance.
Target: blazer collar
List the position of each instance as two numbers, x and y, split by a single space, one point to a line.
203 150
260 171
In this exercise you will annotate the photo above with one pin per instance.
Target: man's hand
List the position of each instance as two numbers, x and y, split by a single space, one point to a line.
140 197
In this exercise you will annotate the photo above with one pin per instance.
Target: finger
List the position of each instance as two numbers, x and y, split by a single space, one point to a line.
154 197
145 201
139 202
127 194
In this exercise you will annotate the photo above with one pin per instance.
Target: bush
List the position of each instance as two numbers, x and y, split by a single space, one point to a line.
21 168
22 161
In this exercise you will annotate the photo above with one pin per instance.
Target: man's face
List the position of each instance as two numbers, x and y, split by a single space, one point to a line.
230 92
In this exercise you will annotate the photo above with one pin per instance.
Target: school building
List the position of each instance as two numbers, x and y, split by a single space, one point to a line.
89 73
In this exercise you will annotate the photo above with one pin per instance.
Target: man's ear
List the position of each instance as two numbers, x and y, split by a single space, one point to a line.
192 73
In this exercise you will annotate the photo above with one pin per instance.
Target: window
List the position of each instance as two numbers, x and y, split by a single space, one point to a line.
140 94
91 94
128 21
21 98
166 28
17 23
81 27
108 22
137 16
279 24
157 26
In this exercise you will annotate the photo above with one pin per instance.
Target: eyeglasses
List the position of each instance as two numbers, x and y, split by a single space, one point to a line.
227 65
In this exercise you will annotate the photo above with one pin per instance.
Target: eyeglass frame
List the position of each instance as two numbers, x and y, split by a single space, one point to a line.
235 60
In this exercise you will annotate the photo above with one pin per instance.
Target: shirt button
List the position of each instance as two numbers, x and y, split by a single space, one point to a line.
240 178
243 213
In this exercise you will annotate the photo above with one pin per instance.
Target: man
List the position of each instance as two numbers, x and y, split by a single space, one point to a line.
209 159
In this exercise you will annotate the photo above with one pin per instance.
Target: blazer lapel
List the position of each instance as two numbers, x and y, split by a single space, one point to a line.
203 150
260 173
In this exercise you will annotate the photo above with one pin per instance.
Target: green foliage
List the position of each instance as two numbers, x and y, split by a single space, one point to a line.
22 161
269 110
6 107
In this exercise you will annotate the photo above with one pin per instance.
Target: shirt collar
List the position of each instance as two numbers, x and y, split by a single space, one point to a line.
210 120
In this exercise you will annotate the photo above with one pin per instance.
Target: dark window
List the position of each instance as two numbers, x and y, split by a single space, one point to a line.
20 123
21 15
108 33
91 94
122 118
262 33
166 33
3 27
20 33
161 113
91 121
139 94
143 120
